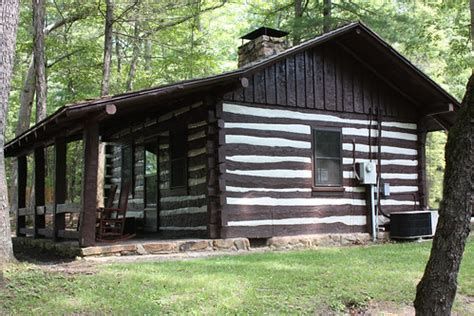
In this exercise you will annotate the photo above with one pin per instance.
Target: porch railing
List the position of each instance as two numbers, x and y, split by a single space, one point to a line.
62 232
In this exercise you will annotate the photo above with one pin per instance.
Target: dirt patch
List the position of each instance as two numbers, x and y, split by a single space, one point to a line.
388 309
2 280
465 305
91 265
71 268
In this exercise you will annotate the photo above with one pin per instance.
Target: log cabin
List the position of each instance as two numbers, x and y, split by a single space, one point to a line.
273 148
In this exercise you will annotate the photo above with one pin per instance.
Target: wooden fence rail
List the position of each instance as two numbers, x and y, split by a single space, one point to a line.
65 208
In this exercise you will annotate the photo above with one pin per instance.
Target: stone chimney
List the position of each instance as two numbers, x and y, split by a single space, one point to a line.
262 43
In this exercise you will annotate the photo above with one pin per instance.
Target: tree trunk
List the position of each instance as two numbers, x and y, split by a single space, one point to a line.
9 11
39 60
118 56
327 8
27 96
437 289
297 25
135 53
472 26
108 46
108 32
148 52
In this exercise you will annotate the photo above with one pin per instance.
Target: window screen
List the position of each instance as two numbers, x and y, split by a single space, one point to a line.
327 158
151 168
178 168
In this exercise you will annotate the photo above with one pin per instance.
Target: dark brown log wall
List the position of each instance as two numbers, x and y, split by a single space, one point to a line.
268 170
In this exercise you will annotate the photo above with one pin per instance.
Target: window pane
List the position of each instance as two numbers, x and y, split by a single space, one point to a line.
328 172
150 163
328 144
178 172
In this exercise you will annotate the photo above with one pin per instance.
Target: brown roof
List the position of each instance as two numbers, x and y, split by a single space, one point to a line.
365 44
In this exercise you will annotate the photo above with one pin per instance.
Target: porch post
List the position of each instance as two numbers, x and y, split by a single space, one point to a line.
89 189
60 184
22 174
39 217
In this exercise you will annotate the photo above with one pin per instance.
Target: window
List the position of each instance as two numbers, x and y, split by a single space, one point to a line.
151 167
127 166
327 157
178 165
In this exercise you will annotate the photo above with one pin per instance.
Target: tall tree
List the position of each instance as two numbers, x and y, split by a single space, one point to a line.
108 33
135 53
105 88
327 10
297 21
9 11
39 66
27 95
39 60
437 289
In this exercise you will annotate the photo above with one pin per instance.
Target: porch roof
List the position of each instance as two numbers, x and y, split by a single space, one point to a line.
431 100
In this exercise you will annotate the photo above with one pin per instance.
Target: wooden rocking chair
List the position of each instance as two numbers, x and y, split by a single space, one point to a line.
111 221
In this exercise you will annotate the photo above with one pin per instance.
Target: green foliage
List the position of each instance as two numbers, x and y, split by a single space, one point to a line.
303 282
435 166
180 40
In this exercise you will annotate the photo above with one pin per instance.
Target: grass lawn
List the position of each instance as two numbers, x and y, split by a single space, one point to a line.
272 283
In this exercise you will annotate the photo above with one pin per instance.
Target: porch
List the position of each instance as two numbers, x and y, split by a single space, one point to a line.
48 209
136 120
45 208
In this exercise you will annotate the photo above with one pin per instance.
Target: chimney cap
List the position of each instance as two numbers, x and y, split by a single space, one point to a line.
264 31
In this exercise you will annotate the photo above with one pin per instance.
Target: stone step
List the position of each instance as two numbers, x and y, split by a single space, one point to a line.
166 247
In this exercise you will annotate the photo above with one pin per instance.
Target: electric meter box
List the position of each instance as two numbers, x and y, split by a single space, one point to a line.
367 172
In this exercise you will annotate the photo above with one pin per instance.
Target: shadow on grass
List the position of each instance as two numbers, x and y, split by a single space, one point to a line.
34 255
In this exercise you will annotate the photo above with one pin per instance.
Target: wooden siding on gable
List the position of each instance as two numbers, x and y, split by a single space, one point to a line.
325 78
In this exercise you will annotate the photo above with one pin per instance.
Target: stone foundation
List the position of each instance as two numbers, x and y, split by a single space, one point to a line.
322 240
133 247
166 247
150 247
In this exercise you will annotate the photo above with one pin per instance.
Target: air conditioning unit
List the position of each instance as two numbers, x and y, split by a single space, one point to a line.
413 225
